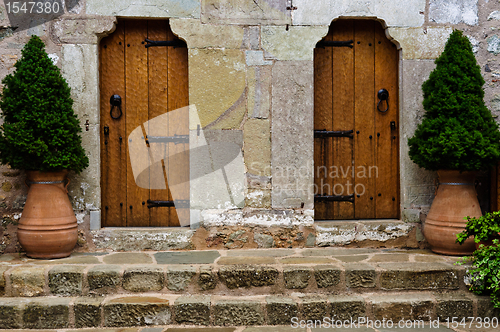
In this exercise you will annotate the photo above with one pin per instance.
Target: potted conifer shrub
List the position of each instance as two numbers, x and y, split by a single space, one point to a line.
457 137
40 134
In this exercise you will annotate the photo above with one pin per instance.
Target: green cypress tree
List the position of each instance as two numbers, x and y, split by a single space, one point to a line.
457 131
40 130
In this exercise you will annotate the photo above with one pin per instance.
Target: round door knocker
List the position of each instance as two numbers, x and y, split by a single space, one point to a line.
115 101
383 94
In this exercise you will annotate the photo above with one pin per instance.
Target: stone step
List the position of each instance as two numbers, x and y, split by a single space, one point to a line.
157 309
238 272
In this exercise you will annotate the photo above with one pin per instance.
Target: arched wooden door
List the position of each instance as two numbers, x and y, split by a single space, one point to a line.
150 80
356 123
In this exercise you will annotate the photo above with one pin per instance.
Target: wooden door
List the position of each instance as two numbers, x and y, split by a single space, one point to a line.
150 81
356 137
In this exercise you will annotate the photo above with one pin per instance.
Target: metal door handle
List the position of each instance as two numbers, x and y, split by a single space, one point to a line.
383 94
115 101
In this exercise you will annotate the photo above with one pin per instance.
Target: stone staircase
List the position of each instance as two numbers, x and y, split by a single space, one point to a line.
233 288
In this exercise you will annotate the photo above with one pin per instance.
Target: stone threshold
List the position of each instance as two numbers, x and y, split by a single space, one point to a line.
389 233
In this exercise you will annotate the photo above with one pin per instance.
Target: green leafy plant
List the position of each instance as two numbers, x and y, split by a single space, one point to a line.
457 131
485 272
40 130
483 228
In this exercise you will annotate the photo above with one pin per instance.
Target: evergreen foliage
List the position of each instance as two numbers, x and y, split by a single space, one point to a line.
457 131
40 130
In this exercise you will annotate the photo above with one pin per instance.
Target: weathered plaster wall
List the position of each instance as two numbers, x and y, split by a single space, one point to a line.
251 74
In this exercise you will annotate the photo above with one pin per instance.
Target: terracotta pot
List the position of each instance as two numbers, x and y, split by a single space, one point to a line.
47 228
456 198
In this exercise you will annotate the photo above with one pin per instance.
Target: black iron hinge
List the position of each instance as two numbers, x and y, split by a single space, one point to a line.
336 198
329 43
180 204
175 43
326 133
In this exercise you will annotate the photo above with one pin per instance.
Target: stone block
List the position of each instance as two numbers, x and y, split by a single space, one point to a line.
143 279
245 276
46 313
155 8
251 38
179 277
27 280
359 275
136 311
347 307
334 233
327 275
192 310
198 35
3 269
493 44
217 83
66 280
485 308
296 277
292 122
245 12
236 276
402 307
264 276
264 240
256 58
419 276
258 198
296 43
257 149
389 258
103 277
258 182
207 279
127 239
186 257
11 313
314 308
449 305
382 231
246 260
128 258
87 312
280 310
78 30
323 12
306 260
238 313
454 11
419 44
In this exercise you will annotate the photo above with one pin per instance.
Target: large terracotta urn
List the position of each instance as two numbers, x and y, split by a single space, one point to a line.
456 198
48 227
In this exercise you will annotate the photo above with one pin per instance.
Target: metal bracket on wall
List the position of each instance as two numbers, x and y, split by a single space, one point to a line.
177 139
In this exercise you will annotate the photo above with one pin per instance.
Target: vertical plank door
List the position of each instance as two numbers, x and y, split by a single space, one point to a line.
151 82
347 78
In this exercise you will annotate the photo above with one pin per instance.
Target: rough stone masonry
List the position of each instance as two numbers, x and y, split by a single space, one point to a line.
250 74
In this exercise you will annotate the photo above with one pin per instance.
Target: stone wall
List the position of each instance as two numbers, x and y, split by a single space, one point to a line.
251 74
